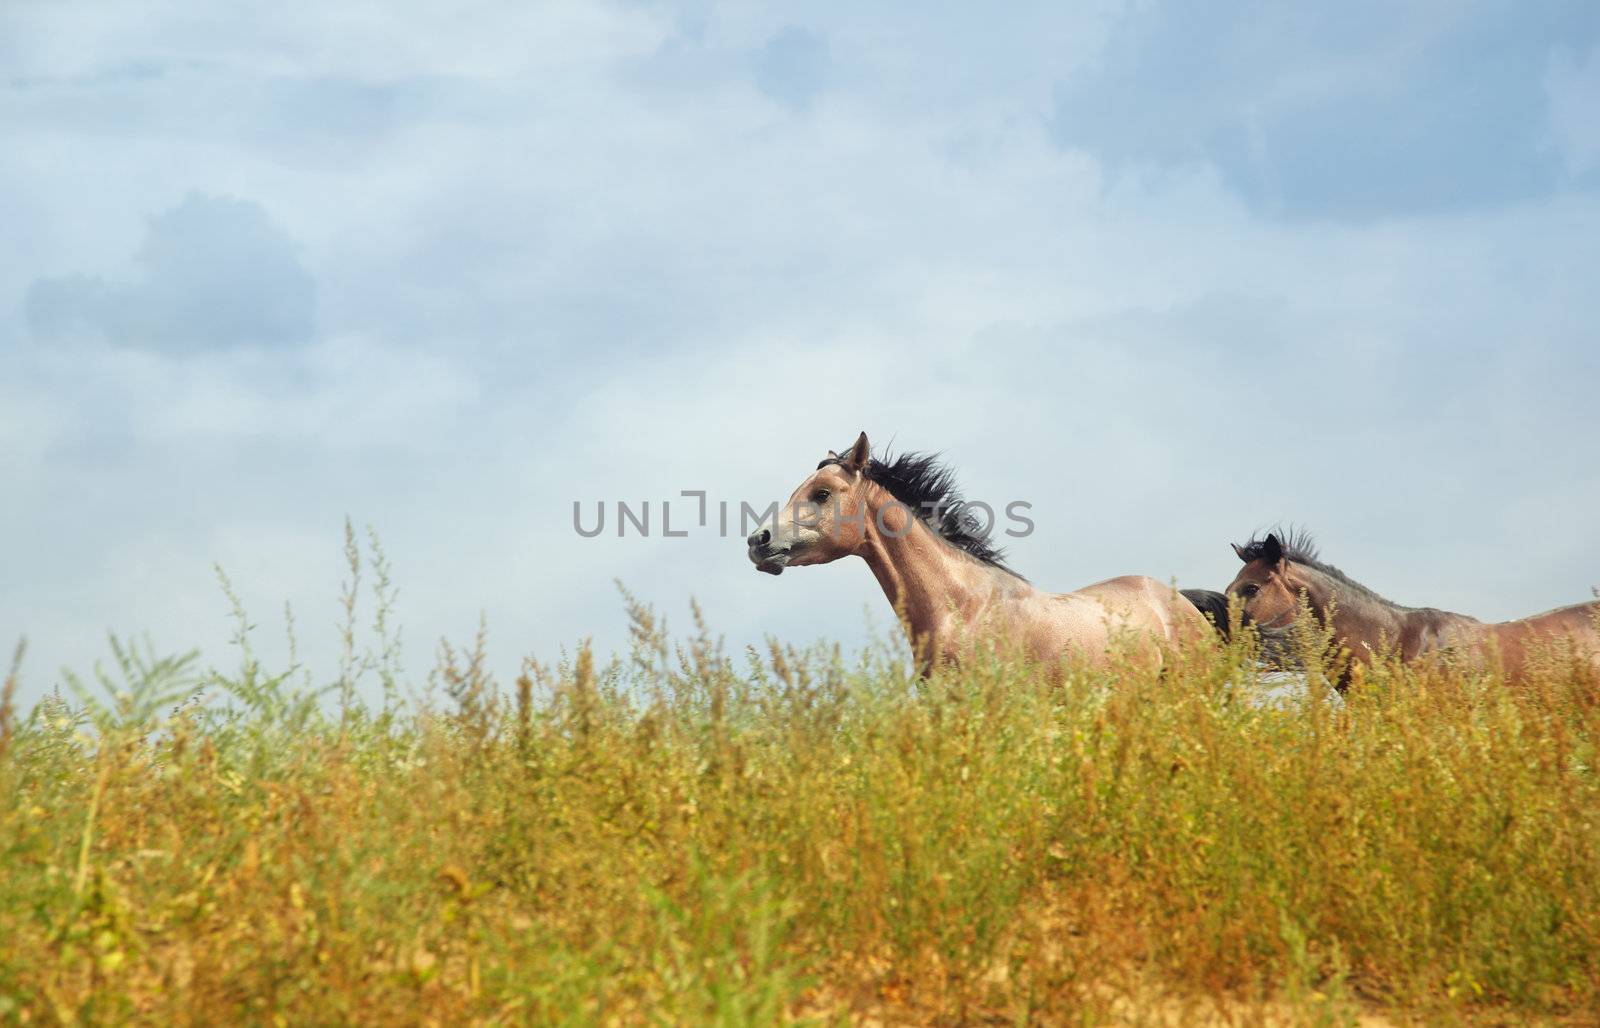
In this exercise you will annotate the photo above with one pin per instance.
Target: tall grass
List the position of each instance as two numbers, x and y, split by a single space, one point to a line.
688 836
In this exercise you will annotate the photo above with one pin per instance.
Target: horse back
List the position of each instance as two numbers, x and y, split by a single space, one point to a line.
1577 624
1145 603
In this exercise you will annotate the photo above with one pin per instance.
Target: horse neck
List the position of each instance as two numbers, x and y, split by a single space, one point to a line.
925 578
1366 623
1357 617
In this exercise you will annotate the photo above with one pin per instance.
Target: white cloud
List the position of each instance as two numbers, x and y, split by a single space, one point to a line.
213 272
1357 112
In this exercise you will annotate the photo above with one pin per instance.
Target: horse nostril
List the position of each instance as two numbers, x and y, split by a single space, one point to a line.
760 538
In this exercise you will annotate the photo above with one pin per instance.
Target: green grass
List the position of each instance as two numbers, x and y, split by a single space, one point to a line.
688 837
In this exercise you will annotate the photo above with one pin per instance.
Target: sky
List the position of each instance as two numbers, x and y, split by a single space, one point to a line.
1167 272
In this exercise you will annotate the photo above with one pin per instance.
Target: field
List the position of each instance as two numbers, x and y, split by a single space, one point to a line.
688 836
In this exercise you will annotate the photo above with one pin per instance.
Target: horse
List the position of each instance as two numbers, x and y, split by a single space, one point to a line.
948 585
1281 569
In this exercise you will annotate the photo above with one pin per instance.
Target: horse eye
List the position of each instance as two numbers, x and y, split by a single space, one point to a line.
820 496
1249 591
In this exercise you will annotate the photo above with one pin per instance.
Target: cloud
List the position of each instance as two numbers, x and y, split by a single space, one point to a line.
1573 85
213 272
792 67
1355 111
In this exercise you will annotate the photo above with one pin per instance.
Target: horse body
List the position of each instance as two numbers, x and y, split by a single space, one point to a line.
1278 572
951 590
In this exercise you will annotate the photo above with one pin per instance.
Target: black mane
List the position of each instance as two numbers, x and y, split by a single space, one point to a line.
928 487
1299 546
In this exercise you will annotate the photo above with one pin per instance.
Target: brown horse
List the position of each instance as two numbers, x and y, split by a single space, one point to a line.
949 586
1279 570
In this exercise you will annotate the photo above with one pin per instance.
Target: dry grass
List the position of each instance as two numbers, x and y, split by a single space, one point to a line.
687 838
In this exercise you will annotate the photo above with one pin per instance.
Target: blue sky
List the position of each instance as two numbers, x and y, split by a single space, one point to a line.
1167 272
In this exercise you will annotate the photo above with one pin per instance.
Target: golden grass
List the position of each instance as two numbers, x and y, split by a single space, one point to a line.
687 838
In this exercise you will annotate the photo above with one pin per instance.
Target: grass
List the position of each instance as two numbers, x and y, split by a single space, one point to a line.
689 837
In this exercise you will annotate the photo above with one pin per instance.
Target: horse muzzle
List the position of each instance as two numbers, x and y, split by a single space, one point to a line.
769 560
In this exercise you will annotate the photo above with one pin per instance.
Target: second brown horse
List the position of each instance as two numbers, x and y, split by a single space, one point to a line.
1280 569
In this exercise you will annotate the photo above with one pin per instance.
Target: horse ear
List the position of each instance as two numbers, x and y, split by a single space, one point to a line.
1272 549
1238 551
861 452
